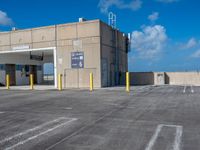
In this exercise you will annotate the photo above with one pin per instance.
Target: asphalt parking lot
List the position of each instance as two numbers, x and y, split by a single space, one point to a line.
149 118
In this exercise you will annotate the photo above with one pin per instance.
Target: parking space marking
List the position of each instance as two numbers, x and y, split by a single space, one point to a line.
120 106
192 90
184 90
30 130
62 121
178 136
154 137
68 108
1 112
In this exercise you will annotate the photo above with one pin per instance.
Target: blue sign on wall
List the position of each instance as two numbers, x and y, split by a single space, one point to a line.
77 60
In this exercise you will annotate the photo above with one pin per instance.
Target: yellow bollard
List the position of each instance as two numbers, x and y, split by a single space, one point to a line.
60 82
31 82
7 81
91 82
127 82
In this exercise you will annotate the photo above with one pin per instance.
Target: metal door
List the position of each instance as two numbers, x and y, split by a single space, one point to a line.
160 79
71 78
104 72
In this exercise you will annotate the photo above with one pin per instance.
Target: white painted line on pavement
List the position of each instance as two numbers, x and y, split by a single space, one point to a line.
30 130
192 90
40 134
154 138
178 136
64 120
68 108
120 106
184 90
177 142
1 112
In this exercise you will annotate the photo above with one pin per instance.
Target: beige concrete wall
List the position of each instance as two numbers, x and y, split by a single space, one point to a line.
34 38
67 31
21 37
5 39
171 78
84 37
44 37
44 34
183 78
111 40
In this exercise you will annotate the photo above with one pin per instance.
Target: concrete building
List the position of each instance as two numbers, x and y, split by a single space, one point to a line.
75 50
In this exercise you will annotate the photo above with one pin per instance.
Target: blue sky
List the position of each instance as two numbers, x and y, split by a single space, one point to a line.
165 33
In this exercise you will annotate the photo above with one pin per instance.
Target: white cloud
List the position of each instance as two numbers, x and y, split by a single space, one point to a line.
191 43
154 16
196 54
167 1
149 42
105 5
4 19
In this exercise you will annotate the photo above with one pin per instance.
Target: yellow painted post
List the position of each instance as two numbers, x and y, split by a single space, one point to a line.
31 82
91 82
127 82
7 81
60 82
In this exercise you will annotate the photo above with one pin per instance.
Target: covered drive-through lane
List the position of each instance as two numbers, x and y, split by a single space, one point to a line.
20 63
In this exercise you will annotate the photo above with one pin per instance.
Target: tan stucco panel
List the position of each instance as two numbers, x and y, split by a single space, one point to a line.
66 32
84 78
44 44
21 37
43 34
71 78
4 39
92 55
88 29
65 43
5 48
183 78
91 40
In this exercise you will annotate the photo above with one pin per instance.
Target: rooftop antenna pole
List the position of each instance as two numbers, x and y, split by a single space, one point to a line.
112 20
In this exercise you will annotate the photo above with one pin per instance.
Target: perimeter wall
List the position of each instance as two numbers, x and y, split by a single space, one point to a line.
160 78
